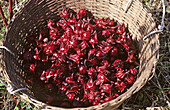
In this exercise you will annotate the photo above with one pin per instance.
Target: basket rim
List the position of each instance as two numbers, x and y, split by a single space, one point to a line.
42 104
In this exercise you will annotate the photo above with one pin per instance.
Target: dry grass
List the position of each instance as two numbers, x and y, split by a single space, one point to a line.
154 95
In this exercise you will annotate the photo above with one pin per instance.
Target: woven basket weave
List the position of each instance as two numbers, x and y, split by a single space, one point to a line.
36 13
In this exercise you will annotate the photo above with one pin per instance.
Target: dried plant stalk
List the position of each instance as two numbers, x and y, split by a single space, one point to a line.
10 9
3 17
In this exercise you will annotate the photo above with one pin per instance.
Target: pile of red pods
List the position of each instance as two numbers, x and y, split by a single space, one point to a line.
80 60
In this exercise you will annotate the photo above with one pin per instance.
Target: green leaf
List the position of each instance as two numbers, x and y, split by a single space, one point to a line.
35 108
1 20
2 92
166 88
28 107
1 84
121 8
168 10
1 35
2 88
23 0
22 104
2 29
137 67
16 108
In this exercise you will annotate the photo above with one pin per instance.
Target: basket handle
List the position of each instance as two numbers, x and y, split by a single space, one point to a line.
160 27
4 47
10 88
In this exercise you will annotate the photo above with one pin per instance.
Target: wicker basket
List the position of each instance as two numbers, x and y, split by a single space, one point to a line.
35 14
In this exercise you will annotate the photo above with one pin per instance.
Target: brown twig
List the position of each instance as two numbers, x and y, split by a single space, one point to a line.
10 9
3 17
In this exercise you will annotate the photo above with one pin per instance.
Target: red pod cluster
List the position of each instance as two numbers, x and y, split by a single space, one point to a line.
85 60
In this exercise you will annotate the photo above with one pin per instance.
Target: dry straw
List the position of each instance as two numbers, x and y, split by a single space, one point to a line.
35 14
